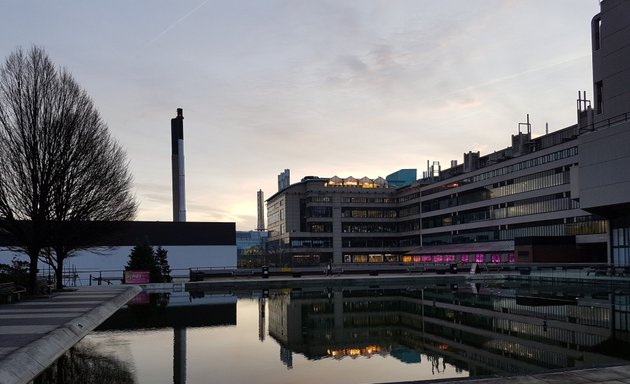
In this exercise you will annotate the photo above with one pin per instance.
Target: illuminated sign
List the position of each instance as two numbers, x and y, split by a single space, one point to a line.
136 277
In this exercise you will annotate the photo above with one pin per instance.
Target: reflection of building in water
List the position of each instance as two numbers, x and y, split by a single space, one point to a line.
483 330
286 356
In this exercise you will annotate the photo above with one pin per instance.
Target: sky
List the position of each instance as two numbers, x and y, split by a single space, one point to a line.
321 87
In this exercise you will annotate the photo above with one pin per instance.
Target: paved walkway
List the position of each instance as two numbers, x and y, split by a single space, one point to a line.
608 375
35 332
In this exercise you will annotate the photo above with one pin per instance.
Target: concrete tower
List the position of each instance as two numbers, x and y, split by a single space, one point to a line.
260 197
177 144
284 180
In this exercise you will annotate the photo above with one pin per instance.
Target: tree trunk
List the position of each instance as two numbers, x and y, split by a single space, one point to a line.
32 274
59 272
57 265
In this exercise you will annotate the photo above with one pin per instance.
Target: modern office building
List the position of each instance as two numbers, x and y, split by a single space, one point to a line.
520 192
342 219
562 197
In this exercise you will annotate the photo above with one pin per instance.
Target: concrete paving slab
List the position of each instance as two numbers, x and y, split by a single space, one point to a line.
562 378
43 310
40 315
25 329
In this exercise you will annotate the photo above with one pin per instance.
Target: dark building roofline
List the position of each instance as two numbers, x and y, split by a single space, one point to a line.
130 233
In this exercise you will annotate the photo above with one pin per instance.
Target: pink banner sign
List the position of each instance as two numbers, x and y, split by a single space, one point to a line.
136 277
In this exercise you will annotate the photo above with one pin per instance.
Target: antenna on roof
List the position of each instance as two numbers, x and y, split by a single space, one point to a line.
527 124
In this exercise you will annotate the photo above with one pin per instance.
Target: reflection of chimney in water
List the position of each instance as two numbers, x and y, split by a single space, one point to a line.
177 149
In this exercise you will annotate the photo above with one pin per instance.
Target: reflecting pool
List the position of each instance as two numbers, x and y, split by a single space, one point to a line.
371 334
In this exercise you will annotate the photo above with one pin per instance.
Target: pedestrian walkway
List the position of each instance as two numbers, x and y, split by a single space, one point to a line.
35 332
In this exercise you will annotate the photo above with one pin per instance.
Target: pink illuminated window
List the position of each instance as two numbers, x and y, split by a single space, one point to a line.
449 258
426 259
438 258
417 259
479 258
463 258
495 258
511 258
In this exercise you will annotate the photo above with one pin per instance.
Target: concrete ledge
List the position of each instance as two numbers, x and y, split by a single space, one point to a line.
26 363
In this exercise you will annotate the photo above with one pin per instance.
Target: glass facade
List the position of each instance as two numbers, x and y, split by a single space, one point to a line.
620 241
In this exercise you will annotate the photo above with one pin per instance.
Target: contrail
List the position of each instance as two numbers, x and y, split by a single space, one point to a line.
507 77
164 32
528 71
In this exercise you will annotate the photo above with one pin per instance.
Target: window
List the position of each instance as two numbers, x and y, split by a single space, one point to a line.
596 31
599 89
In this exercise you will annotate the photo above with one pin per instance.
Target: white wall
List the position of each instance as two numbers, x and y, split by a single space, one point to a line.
180 259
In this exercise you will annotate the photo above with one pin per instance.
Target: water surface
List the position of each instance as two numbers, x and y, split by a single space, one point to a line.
366 334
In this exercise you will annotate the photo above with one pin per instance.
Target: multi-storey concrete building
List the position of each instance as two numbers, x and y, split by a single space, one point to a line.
604 143
350 220
565 192
475 212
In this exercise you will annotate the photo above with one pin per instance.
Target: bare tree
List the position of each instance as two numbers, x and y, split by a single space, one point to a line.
58 163
277 252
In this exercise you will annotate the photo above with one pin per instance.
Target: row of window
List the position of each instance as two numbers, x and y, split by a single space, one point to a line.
325 242
349 242
371 258
363 199
533 182
358 242
527 183
408 197
274 217
470 237
504 257
409 211
375 200
370 227
535 162
535 206
373 213
586 225
319 212
320 227
464 258
320 199
621 246
409 226
513 209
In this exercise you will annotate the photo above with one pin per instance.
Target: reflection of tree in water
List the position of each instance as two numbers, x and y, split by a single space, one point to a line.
82 364
149 313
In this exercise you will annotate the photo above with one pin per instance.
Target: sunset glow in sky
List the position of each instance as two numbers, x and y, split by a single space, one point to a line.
347 88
